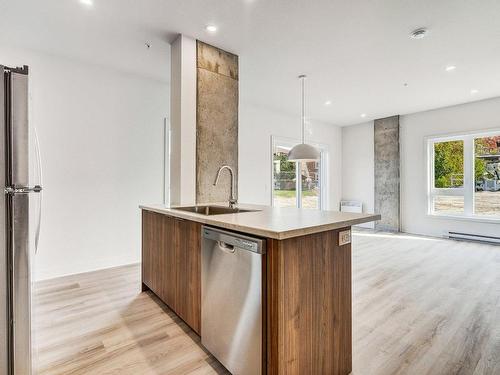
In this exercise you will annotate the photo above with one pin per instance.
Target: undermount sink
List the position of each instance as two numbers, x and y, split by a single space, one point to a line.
213 210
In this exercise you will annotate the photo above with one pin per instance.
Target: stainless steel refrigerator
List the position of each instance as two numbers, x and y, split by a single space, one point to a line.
20 181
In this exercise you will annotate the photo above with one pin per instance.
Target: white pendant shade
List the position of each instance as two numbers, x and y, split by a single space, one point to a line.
303 152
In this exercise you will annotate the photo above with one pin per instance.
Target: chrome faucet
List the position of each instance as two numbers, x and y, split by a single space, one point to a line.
232 198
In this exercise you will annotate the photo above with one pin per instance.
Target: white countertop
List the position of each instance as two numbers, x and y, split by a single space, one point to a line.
271 222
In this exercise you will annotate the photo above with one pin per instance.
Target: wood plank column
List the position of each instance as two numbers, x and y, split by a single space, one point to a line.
309 305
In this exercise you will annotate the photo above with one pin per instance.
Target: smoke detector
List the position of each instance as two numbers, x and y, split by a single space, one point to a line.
419 33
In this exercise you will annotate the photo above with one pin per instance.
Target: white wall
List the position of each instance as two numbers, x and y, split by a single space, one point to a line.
101 136
256 126
415 128
358 181
183 94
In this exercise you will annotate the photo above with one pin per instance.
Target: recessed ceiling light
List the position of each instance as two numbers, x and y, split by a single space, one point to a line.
328 102
474 91
363 115
211 28
87 2
419 33
450 68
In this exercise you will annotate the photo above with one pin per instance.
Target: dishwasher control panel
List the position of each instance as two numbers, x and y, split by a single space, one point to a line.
240 241
245 244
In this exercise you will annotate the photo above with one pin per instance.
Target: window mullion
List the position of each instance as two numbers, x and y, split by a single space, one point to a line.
468 176
320 183
430 177
298 183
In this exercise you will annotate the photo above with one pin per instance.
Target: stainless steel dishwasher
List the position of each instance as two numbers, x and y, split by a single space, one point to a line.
231 293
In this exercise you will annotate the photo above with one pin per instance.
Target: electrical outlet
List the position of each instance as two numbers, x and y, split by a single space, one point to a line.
344 237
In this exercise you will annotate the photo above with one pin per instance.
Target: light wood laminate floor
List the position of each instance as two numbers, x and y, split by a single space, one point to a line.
420 306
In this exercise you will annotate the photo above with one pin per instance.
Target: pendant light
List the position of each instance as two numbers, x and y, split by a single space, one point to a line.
303 151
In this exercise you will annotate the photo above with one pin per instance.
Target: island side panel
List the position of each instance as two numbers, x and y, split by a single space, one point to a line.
159 256
188 291
171 264
152 230
309 328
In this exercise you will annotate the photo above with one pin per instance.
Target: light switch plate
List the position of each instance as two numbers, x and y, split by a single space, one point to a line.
344 237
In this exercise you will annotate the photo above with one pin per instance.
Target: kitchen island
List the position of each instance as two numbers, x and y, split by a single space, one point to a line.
306 278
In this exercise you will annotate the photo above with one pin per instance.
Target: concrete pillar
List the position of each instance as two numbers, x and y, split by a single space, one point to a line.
387 162
217 122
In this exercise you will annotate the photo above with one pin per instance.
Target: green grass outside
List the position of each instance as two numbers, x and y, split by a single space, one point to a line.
291 193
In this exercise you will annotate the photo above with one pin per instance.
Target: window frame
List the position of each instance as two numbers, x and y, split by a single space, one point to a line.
323 170
469 183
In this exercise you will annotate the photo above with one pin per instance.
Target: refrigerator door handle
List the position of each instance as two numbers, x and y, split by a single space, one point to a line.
40 178
23 189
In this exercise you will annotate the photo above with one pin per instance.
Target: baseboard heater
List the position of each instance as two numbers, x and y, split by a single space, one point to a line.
473 237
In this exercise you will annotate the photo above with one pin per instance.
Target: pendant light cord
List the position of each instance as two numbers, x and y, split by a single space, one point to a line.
303 79
303 152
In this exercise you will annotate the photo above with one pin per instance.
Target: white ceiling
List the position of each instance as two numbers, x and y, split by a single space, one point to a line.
356 53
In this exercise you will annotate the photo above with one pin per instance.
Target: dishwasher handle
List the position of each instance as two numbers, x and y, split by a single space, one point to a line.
227 248
229 241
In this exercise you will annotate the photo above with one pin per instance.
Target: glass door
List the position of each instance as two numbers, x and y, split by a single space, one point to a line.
297 184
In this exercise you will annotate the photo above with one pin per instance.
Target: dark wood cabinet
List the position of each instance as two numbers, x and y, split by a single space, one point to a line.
171 264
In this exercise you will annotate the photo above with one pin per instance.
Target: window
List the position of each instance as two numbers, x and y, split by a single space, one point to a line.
448 177
487 176
297 184
464 175
285 179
